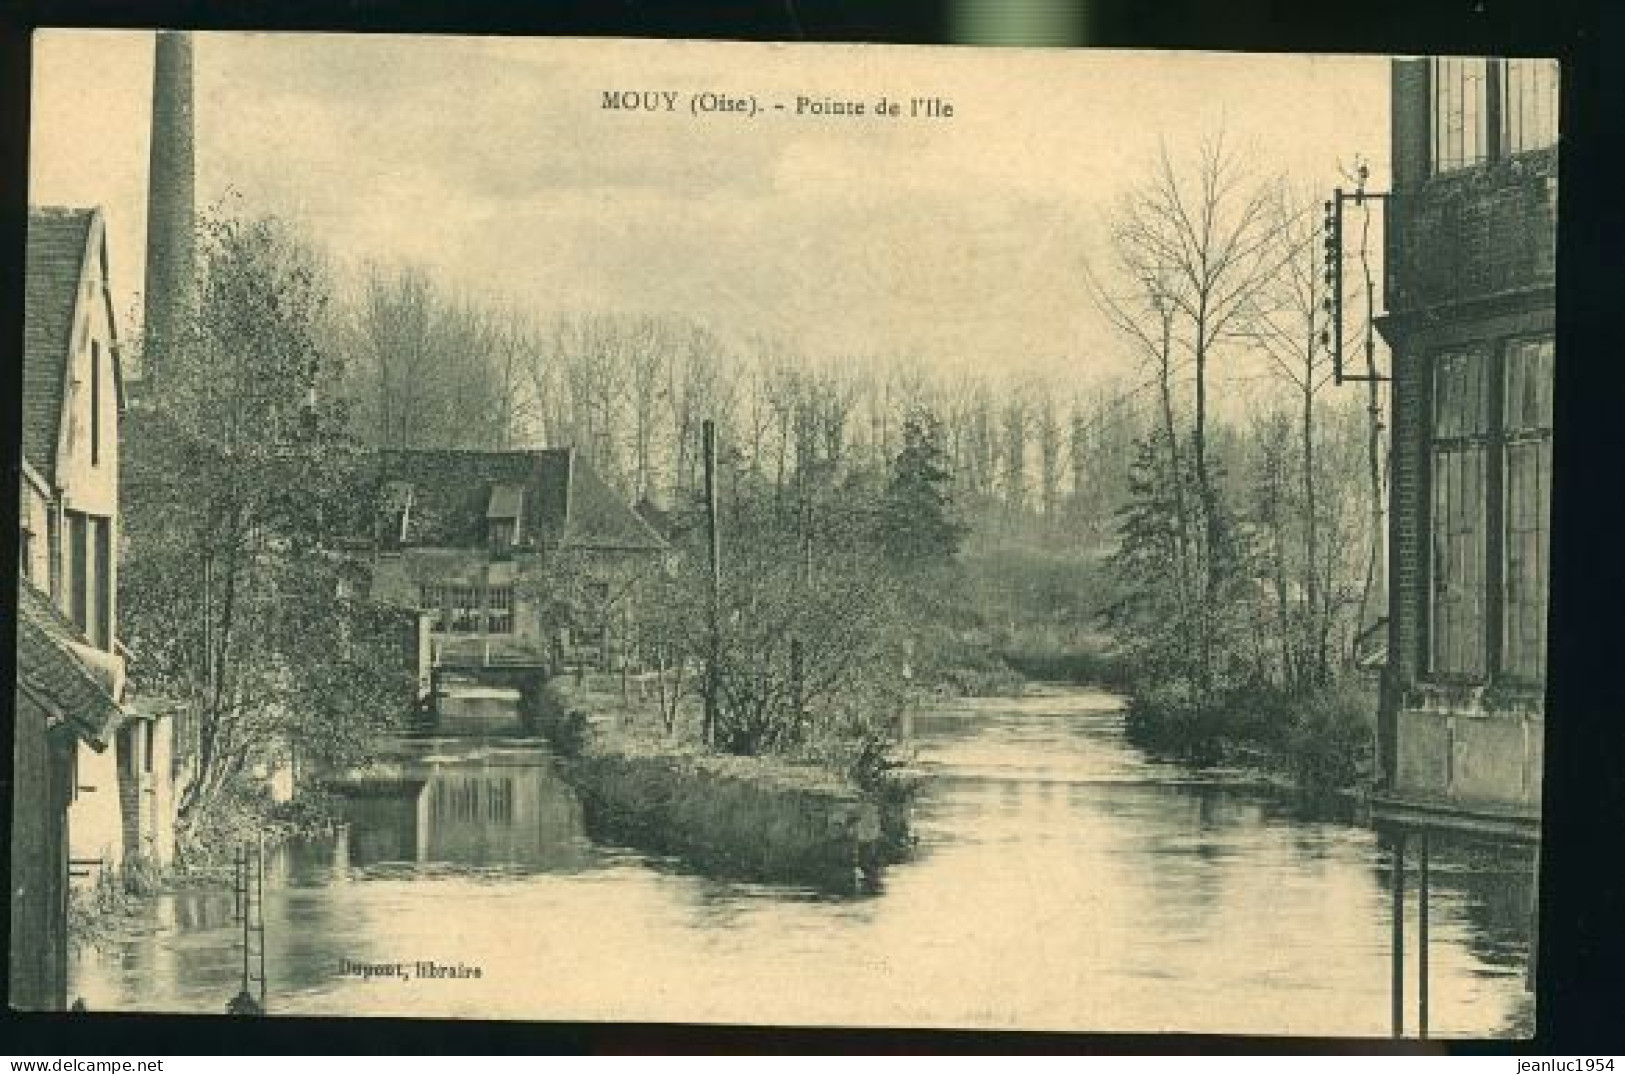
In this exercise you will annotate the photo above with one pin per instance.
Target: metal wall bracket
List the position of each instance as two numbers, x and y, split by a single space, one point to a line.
1332 338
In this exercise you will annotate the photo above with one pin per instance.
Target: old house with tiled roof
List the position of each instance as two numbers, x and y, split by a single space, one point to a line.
83 798
516 558
64 703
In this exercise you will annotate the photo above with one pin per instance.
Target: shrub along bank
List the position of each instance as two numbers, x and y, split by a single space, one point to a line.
1323 741
754 817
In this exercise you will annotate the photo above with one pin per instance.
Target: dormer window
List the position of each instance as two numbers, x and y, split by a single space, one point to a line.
502 515
395 514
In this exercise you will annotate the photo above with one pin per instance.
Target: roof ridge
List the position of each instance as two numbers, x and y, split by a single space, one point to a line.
470 451
57 256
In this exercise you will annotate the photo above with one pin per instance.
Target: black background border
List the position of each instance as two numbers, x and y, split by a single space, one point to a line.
1581 971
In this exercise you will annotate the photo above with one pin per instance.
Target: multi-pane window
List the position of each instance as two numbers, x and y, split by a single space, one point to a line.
433 600
1527 417
101 621
89 582
1485 110
1460 112
1529 104
78 572
1460 529
462 609
466 610
1491 506
499 610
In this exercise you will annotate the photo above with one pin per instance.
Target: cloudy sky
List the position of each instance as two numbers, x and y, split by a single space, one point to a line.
491 163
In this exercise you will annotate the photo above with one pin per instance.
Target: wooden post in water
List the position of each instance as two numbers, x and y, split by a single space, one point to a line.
1422 936
248 914
1397 886
1532 964
708 439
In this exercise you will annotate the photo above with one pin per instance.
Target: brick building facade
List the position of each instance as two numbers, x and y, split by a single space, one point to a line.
1470 304
1470 314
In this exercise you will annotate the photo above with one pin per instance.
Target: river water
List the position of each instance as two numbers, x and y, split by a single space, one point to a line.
1062 880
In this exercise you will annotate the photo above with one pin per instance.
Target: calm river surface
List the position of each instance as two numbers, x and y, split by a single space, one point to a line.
1062 880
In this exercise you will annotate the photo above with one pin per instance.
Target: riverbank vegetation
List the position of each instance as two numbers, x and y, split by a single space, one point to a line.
237 476
1249 551
108 907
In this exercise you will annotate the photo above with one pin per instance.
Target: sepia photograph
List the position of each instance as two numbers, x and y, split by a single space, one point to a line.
737 533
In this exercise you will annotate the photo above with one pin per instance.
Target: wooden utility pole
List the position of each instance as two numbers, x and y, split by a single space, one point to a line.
798 657
708 439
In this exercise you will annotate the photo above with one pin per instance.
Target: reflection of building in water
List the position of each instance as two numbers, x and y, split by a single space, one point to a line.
1470 306
466 813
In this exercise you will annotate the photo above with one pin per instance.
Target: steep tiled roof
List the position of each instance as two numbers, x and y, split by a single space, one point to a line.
658 518
48 665
564 502
599 518
57 241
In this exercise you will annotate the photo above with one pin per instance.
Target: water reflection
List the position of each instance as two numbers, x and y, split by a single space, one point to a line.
1062 880
488 808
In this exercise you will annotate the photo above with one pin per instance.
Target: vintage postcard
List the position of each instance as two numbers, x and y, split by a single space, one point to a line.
806 534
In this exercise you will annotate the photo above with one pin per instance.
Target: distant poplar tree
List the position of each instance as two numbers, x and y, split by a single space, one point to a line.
918 523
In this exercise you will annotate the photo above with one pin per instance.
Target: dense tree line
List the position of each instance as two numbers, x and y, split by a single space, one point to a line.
1031 459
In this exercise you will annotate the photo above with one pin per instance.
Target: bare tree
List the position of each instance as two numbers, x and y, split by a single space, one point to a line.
697 388
518 349
1287 327
1047 425
1212 242
1014 426
1195 247
427 370
1141 311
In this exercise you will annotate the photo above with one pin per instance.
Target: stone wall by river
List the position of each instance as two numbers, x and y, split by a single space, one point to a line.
745 817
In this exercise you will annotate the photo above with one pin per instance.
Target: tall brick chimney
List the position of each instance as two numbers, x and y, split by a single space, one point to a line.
170 196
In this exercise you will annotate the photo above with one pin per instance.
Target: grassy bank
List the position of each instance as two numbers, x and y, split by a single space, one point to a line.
1086 661
984 663
1321 743
113 907
808 819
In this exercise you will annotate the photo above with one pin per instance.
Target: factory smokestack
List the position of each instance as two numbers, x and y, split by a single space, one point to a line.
170 179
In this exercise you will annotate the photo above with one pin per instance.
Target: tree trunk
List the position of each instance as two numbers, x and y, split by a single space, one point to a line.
1311 529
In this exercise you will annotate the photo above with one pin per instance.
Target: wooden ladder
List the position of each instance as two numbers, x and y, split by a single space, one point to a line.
248 899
